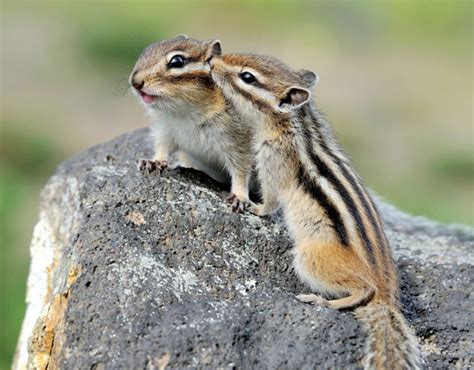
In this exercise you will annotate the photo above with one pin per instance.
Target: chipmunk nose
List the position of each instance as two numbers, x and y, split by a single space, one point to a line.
136 81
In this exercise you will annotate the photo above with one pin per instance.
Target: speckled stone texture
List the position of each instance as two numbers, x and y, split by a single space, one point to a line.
148 271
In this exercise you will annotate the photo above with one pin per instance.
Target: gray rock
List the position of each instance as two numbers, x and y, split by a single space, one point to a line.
145 271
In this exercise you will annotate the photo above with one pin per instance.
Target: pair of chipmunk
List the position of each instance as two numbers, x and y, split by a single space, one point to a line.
223 113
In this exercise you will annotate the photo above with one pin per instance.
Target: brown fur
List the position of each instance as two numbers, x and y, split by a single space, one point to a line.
340 248
194 126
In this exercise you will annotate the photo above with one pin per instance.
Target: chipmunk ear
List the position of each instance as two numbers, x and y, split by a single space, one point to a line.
181 37
309 78
214 49
294 97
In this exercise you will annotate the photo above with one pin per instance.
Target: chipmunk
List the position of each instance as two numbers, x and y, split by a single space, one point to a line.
340 246
193 124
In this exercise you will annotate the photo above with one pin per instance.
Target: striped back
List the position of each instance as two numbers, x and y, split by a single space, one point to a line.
325 173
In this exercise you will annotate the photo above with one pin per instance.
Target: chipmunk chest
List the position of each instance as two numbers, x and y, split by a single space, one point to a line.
210 142
265 154
271 162
197 139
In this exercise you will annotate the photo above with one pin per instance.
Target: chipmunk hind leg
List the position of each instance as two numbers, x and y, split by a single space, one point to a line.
336 270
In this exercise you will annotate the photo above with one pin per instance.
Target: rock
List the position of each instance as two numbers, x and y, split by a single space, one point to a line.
149 271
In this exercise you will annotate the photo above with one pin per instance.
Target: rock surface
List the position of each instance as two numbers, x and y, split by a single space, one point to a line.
149 271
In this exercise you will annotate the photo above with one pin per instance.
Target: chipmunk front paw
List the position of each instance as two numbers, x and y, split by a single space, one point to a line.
150 165
236 204
257 209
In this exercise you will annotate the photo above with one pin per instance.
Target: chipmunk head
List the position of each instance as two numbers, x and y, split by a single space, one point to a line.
174 74
260 85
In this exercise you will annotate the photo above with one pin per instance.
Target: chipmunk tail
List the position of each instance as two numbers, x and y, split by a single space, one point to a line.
391 343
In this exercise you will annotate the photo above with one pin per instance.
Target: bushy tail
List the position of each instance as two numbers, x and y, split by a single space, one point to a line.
391 343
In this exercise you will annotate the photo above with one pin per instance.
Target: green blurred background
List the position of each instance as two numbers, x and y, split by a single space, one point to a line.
396 82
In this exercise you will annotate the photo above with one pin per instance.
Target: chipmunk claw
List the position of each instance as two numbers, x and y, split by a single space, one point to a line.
150 165
237 205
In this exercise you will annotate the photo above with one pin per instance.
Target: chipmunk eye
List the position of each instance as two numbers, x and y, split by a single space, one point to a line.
178 61
247 77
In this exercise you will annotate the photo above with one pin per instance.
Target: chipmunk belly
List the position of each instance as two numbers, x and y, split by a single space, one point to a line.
199 141
219 146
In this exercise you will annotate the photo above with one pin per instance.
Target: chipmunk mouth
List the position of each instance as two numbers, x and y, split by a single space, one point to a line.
147 98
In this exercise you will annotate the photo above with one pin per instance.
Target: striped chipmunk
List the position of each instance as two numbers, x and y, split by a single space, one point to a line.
340 247
193 124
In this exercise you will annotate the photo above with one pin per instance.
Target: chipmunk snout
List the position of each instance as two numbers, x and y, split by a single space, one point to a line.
136 81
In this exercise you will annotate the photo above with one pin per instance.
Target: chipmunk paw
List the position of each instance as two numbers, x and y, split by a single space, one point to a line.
236 204
257 209
312 298
150 165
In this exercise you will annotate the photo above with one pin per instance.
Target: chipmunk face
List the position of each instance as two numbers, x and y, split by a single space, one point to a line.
174 75
261 86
